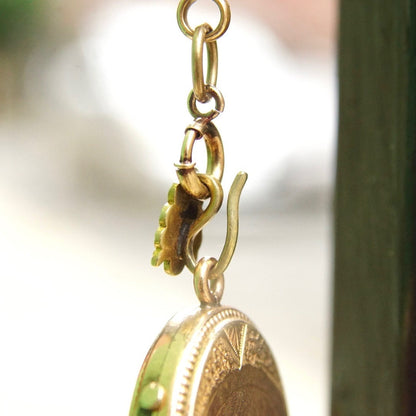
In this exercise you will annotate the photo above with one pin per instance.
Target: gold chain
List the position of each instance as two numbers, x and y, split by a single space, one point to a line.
204 90
179 236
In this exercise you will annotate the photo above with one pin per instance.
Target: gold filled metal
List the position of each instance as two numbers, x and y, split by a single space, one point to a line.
225 19
171 237
216 197
232 222
186 170
208 290
213 93
199 83
211 361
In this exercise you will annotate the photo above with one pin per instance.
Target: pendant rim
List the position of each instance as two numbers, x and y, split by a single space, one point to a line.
172 380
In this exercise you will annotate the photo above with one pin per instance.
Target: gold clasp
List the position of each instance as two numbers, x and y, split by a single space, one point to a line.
208 270
214 205
186 171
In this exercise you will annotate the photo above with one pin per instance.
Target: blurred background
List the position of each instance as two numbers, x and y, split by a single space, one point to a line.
92 114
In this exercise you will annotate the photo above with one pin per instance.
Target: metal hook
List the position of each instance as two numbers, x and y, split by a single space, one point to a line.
216 194
232 224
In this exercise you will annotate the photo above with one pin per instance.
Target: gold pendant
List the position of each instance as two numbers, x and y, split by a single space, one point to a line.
211 361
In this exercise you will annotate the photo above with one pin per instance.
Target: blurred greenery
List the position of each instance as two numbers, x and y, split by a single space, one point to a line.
20 23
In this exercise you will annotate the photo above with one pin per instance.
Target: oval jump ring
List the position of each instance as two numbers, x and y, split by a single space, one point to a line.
198 41
211 92
182 16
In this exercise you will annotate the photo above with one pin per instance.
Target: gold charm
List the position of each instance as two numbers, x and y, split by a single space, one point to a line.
184 205
175 222
211 361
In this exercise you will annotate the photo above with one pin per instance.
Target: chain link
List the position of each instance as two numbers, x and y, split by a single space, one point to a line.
208 272
212 93
204 89
182 219
198 41
182 16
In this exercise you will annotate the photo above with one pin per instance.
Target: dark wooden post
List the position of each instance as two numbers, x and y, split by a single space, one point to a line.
374 345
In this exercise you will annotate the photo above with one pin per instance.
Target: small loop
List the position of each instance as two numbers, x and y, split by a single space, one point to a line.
182 16
198 41
209 290
211 92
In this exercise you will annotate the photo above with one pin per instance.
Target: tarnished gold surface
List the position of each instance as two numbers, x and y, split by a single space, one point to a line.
186 170
175 222
210 362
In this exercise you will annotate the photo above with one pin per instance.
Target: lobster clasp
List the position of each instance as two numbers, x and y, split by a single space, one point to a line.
186 171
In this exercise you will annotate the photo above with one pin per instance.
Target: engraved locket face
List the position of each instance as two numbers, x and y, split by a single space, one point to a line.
211 362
